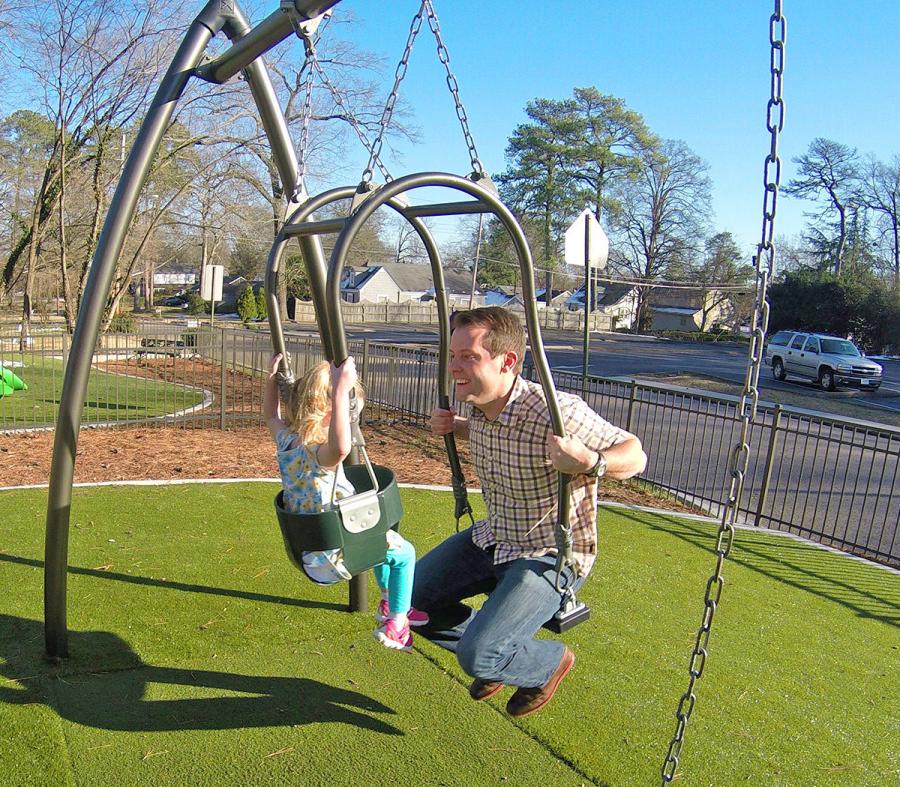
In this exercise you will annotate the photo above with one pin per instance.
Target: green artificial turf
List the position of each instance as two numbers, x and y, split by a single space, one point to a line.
200 656
110 397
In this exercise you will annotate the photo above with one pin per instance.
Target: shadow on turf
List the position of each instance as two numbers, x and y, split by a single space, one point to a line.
804 567
183 586
80 691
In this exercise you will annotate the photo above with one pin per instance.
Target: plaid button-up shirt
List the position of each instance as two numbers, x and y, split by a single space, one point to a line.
519 483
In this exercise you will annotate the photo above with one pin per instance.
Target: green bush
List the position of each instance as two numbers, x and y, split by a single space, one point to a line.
262 310
246 305
123 323
196 305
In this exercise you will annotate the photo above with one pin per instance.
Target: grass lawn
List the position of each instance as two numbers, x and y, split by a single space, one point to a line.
110 397
199 656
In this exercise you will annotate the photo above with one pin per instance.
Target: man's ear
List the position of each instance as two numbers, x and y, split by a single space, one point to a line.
510 360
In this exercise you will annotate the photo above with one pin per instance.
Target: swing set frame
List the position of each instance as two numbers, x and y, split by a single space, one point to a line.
248 45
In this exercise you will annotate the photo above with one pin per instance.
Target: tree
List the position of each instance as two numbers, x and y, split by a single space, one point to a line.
831 170
861 307
262 308
664 212
880 193
609 144
537 183
246 304
720 266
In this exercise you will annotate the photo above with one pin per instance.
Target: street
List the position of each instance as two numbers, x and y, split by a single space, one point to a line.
619 355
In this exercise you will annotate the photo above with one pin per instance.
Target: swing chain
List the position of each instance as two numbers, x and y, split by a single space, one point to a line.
351 117
388 111
311 61
478 172
764 264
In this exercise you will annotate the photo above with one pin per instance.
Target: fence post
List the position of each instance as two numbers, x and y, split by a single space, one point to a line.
222 384
631 397
770 461
65 349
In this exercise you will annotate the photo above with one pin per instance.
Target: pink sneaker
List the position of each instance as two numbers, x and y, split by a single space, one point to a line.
416 617
392 637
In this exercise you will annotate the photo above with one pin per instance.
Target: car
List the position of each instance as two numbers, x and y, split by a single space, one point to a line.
828 360
175 300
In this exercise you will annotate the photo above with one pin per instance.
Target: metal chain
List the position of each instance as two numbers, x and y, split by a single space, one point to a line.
402 66
444 56
764 264
338 99
303 152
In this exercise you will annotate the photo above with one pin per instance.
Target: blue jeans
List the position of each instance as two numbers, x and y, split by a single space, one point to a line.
496 643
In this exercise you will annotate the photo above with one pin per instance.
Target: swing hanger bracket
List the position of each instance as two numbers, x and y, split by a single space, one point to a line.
304 26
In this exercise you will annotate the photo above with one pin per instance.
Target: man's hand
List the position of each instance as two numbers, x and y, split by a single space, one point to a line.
569 455
273 364
442 421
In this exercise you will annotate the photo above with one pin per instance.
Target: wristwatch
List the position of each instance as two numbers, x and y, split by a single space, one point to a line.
599 468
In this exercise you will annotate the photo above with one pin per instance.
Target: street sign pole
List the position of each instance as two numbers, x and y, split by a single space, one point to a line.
585 241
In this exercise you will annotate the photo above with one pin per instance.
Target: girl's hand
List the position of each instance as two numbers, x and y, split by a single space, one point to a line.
343 377
273 364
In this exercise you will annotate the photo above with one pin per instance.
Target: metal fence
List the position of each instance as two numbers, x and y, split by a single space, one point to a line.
829 479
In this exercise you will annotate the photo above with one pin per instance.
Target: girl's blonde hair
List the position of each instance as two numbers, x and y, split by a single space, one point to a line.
309 403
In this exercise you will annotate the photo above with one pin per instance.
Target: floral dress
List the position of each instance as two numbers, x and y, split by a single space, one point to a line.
307 489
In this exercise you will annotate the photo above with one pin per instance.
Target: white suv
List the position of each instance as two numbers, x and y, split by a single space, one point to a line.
828 360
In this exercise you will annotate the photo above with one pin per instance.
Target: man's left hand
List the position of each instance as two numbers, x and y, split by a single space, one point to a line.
569 455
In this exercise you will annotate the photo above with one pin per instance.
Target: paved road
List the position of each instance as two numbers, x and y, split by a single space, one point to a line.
614 355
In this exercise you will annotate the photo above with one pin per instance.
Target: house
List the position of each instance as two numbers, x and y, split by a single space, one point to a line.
174 279
233 287
617 301
689 310
501 295
401 282
558 298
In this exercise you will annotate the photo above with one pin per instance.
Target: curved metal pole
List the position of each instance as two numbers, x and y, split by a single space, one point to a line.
87 326
473 189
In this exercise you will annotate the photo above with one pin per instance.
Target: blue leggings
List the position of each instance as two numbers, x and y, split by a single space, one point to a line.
396 573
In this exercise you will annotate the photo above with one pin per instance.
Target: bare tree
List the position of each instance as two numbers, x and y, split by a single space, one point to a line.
880 193
94 61
664 211
831 170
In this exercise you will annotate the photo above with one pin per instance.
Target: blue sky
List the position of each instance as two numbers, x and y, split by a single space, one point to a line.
696 71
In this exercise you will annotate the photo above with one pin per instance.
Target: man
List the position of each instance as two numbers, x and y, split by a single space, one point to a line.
511 554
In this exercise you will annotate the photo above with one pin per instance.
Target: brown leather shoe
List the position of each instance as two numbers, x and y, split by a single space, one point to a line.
483 689
526 701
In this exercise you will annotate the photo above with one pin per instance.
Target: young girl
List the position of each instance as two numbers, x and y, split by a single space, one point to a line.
311 445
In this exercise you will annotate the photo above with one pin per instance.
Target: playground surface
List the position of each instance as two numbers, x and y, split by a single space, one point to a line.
200 656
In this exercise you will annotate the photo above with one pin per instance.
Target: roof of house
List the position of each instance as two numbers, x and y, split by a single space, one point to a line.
683 299
415 278
674 309
609 294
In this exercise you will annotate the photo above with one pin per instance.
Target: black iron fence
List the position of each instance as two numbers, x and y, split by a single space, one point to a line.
829 479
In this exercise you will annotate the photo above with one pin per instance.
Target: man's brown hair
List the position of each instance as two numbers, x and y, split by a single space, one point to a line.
504 331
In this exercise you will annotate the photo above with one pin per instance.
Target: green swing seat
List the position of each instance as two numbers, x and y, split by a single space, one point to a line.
362 548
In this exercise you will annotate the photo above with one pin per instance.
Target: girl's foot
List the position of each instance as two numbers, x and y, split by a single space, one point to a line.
415 617
393 637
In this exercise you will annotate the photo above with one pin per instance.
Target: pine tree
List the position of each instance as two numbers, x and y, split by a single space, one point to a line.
262 311
246 305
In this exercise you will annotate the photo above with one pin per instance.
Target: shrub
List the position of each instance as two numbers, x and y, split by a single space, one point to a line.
122 323
196 305
262 310
246 304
